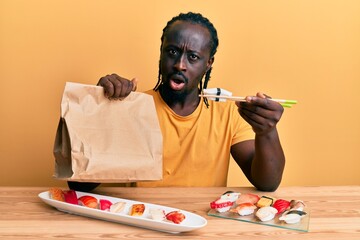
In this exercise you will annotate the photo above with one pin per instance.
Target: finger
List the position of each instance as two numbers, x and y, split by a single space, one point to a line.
120 87
129 86
134 82
107 85
260 95
258 123
245 115
257 114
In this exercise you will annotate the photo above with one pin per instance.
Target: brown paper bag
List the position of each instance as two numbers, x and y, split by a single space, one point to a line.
102 140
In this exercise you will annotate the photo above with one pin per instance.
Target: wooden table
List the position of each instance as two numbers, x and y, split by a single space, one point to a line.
335 214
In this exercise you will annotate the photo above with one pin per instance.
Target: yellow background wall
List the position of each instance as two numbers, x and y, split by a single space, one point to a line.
307 50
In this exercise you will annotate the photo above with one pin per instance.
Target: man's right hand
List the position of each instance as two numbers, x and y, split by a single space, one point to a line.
116 87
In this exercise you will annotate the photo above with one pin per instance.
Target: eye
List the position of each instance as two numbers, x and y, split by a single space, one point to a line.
193 57
172 52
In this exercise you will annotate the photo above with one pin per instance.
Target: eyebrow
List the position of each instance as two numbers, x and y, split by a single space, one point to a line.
179 48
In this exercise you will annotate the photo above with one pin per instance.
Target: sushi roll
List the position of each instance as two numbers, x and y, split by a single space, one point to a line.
244 209
221 205
266 213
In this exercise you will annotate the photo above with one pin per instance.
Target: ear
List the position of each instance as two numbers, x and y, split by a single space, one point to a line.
210 63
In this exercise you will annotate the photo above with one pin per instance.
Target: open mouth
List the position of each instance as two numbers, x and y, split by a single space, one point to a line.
177 82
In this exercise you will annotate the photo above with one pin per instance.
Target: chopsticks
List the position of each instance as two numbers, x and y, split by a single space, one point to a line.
283 102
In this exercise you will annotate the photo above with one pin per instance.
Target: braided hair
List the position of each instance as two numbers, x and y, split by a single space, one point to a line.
195 18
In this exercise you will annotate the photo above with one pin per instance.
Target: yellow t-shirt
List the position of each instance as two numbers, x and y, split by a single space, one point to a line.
197 147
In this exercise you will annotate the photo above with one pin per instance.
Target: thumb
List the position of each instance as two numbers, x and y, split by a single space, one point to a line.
134 82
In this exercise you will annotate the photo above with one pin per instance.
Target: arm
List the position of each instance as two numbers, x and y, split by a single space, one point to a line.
262 160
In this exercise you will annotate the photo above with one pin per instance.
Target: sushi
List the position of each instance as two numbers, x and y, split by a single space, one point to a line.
265 201
70 196
57 194
297 205
88 201
221 205
244 209
266 213
231 196
105 204
175 216
117 207
248 198
137 209
157 214
281 205
292 216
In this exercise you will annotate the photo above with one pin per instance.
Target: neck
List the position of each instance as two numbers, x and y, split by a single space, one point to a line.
182 104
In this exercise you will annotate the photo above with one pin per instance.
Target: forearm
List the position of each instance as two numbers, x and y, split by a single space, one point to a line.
268 162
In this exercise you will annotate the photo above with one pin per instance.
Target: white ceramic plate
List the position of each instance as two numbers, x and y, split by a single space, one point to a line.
191 222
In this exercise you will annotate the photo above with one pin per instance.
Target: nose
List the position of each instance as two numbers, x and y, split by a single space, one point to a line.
180 63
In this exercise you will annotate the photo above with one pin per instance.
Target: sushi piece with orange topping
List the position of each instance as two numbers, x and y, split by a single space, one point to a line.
88 201
244 209
56 194
137 209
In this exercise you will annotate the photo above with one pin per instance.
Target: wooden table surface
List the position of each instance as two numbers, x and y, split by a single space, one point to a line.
335 214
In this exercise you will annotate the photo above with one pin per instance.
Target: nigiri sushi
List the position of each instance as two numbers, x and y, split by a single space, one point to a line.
221 205
297 205
265 201
231 196
266 213
248 197
56 194
244 209
281 205
70 196
292 216
137 209
117 207
157 214
88 201
105 204
175 216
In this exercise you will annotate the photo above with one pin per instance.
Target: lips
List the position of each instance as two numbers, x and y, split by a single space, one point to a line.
177 81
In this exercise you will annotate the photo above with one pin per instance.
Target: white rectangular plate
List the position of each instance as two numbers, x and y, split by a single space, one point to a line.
192 221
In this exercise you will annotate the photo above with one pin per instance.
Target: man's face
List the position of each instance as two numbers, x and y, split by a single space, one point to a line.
185 57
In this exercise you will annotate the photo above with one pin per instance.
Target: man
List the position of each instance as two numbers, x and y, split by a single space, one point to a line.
199 135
